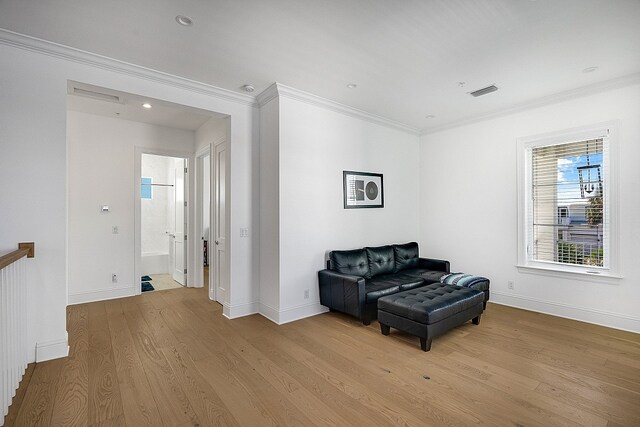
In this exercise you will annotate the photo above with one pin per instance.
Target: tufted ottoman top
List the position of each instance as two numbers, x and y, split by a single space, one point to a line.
432 303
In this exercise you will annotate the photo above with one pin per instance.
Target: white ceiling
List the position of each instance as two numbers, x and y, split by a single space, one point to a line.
129 107
406 57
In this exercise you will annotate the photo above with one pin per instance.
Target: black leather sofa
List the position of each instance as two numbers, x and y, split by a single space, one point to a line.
355 279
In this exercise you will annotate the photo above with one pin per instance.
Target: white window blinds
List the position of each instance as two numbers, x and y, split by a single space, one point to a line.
568 221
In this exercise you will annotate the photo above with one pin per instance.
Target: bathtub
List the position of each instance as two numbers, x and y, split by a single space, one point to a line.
155 263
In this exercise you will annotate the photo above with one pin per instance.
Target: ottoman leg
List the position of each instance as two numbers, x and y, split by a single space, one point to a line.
425 344
476 320
384 329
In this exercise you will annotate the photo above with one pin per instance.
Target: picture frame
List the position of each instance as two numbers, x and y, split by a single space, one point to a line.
362 190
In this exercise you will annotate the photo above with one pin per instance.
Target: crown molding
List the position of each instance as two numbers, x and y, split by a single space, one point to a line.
45 47
541 102
278 89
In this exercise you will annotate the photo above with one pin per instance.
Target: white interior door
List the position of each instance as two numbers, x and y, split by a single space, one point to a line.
219 274
180 226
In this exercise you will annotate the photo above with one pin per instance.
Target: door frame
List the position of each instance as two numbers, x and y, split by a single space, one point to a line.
137 216
214 293
199 204
181 216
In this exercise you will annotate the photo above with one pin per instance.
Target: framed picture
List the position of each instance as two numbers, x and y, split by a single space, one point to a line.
362 190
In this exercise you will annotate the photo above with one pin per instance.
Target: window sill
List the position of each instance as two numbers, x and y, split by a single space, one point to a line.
570 274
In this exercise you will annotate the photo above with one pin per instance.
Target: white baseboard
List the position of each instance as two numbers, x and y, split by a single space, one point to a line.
55 349
582 314
239 310
291 314
102 294
269 312
300 312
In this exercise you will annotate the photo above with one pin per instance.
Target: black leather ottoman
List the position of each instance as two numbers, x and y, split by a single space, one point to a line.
429 311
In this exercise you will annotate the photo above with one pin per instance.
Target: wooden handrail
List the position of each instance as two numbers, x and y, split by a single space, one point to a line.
24 249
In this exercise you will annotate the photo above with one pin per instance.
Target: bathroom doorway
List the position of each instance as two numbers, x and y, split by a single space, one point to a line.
163 222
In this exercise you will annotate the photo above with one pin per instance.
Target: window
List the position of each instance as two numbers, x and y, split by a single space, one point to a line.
566 202
145 188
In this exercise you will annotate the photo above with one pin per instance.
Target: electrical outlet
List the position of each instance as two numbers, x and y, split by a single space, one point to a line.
306 294
510 284
114 229
114 278
244 232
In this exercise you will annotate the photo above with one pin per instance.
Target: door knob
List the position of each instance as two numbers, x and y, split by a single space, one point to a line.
217 243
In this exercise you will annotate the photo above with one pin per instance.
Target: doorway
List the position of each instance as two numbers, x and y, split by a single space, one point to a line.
108 124
211 218
163 222
219 277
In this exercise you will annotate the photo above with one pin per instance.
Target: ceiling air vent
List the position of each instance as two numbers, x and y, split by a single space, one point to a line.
484 91
96 95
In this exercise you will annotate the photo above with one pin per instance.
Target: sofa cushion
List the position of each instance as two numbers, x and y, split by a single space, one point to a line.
375 290
387 284
431 276
352 262
381 260
406 256
409 282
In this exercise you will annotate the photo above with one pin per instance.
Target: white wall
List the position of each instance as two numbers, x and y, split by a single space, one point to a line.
468 210
32 185
270 209
315 145
211 131
33 166
101 153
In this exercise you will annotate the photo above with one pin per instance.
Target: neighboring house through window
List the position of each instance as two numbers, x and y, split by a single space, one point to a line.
567 202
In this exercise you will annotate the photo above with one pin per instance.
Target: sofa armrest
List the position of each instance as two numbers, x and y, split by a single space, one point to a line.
342 292
434 264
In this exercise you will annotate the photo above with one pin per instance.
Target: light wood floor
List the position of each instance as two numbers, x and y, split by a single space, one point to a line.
170 358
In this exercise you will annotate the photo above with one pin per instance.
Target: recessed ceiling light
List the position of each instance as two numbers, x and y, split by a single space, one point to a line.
589 69
430 116
352 85
184 20
146 105
248 88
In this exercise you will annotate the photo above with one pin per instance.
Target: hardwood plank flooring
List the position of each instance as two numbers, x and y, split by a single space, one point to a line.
171 359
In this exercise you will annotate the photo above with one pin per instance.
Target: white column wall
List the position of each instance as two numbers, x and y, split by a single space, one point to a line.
316 144
270 209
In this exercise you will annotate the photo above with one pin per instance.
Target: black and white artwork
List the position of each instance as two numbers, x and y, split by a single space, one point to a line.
362 190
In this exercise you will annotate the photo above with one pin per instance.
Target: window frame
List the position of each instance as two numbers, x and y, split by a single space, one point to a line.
524 184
